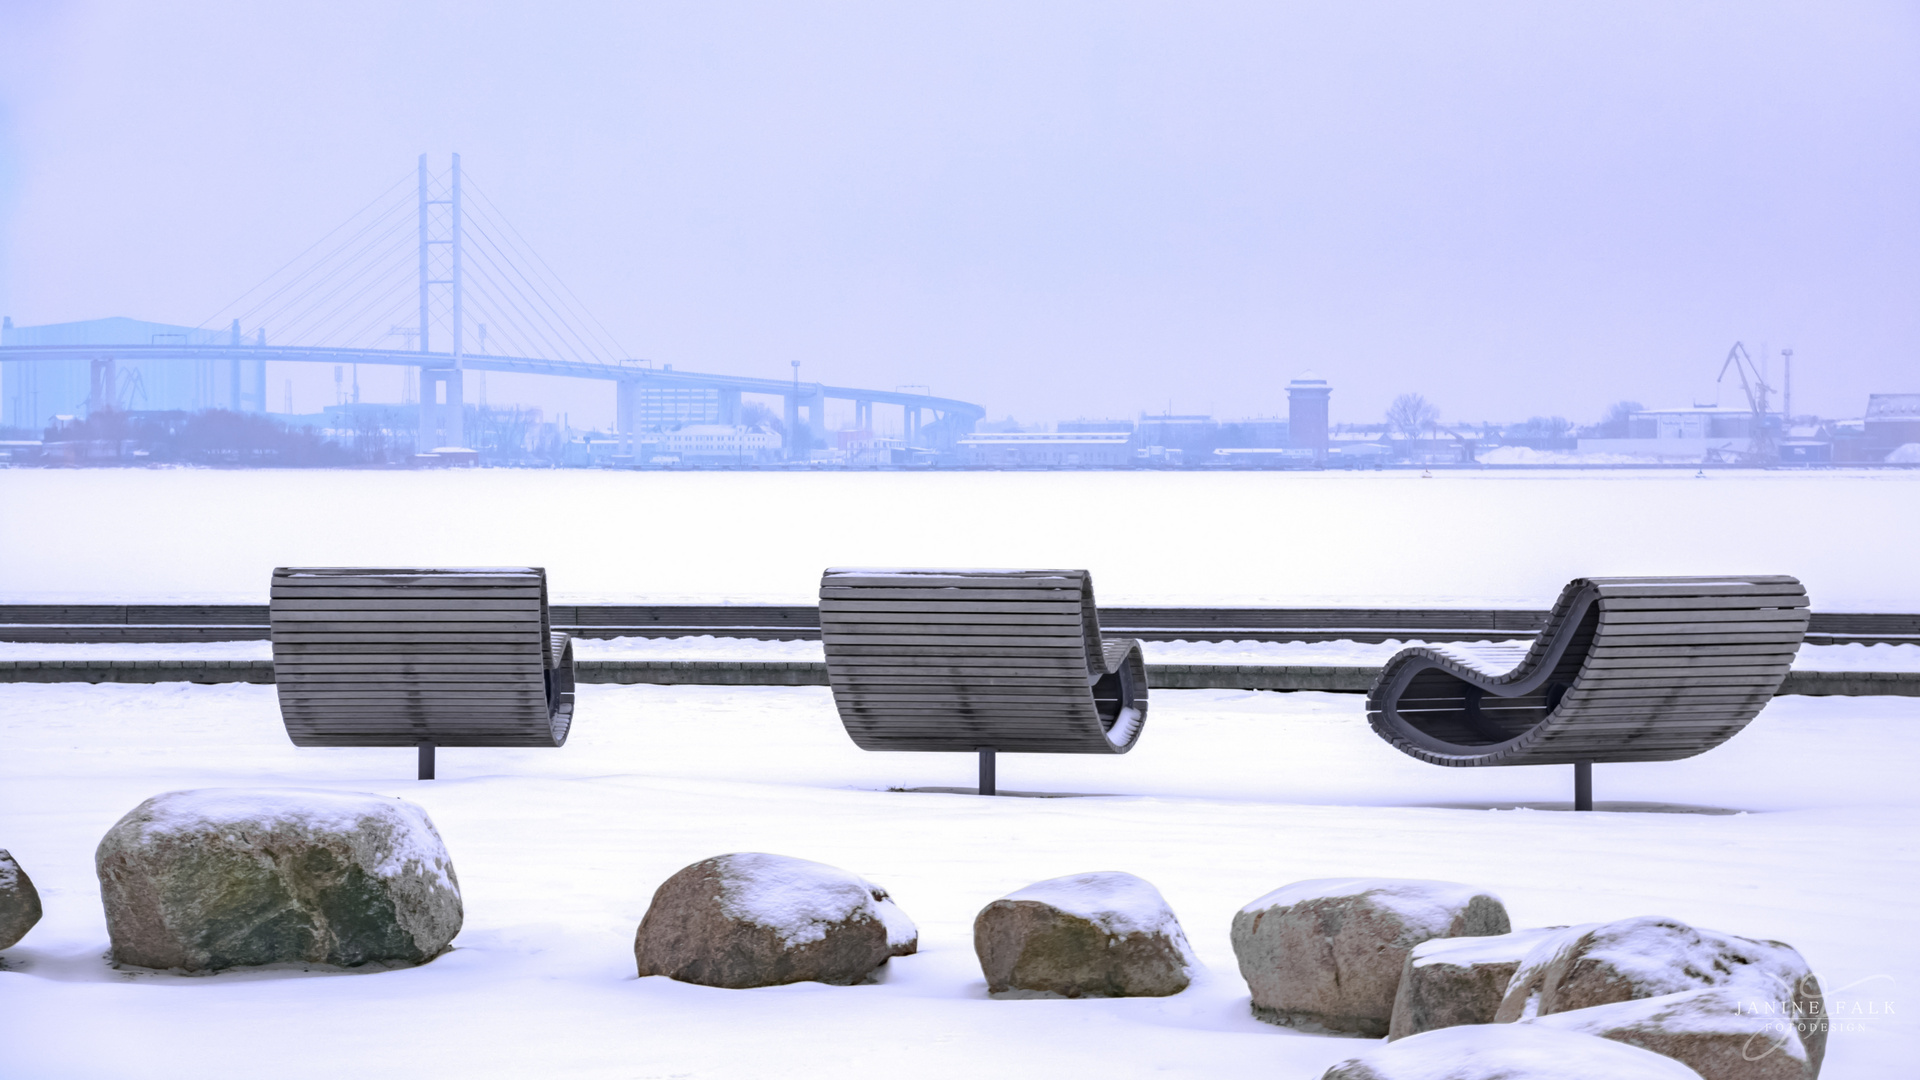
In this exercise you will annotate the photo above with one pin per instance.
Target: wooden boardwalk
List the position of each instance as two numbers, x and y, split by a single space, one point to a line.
250 622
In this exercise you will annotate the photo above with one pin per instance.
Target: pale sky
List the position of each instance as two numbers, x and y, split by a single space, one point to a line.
1055 210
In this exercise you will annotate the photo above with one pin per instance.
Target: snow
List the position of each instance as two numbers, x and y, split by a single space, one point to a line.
1229 795
1661 955
708 647
416 844
1489 538
800 900
1714 1011
1119 903
1425 907
1517 1052
1497 948
1800 829
1527 455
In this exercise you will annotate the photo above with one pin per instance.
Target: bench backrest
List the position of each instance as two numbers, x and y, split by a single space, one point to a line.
1626 669
959 660
411 656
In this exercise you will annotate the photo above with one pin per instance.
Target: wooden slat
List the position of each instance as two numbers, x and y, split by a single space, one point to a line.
955 660
393 657
1659 670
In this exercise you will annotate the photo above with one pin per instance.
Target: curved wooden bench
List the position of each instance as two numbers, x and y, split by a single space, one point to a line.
986 660
1626 669
419 657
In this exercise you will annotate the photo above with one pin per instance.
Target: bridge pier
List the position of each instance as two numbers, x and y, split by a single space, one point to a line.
443 412
626 402
817 419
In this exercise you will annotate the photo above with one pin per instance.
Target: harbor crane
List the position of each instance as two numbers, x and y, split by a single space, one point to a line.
1763 447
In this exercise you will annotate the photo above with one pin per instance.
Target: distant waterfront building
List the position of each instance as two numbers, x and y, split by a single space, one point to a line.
1047 449
1307 413
719 443
1892 421
32 392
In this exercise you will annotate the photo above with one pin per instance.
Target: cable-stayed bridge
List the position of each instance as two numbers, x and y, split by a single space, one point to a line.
434 263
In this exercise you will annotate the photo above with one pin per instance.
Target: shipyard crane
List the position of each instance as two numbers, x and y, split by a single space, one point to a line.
1763 448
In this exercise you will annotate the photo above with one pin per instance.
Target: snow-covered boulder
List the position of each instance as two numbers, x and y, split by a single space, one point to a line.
748 919
1327 954
223 877
1105 934
1508 1052
1651 957
1459 980
19 902
1718 1032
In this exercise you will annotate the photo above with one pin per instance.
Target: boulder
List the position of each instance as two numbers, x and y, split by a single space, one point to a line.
1327 954
1088 935
748 919
1460 980
224 877
1718 1032
19 902
1507 1052
1651 957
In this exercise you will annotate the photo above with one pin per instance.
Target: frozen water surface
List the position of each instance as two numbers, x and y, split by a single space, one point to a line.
1462 538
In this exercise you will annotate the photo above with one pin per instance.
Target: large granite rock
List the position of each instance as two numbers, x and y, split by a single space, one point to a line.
19 902
223 877
1459 980
1717 1032
1088 935
765 920
1507 1052
1327 954
1651 957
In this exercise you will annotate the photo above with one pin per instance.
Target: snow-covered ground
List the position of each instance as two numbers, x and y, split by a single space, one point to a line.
1801 829
1804 831
1461 538
706 647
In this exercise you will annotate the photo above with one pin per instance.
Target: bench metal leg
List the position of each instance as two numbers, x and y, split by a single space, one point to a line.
1583 785
426 761
986 772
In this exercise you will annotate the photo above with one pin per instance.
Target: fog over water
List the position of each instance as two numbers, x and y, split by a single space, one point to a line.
1061 210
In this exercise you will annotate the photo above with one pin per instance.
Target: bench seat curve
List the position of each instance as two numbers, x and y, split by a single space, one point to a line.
1626 669
962 660
419 657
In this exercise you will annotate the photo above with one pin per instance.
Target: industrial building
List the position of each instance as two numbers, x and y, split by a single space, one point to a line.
32 393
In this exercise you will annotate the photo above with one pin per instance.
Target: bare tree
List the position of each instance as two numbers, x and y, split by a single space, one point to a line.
1410 414
1618 421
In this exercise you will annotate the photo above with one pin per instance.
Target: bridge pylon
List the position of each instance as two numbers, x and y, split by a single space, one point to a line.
443 409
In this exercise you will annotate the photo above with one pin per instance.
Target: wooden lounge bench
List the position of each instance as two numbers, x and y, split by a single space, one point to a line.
419 657
1626 669
978 660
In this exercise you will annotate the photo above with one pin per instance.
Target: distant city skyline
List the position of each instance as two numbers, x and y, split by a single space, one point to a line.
1059 212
